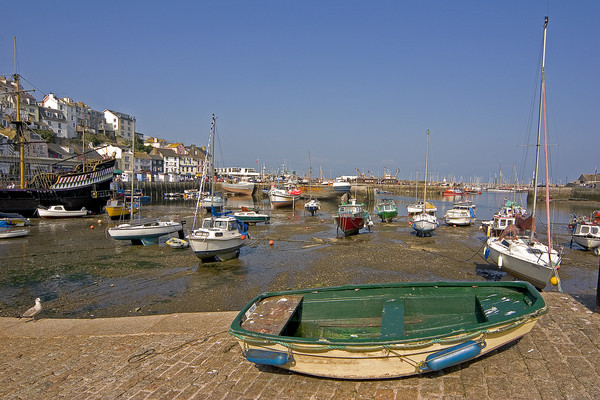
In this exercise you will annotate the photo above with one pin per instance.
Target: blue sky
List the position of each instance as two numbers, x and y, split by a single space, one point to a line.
357 84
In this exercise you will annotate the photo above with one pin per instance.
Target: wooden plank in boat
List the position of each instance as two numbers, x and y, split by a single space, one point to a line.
392 320
272 314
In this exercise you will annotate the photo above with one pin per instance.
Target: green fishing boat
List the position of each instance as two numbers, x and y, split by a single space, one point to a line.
387 210
384 330
252 217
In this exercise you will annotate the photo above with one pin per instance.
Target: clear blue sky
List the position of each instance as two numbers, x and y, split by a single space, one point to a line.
355 83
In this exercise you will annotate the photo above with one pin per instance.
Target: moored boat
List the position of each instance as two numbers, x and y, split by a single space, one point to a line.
59 211
7 231
425 222
384 330
177 243
283 197
517 251
145 231
453 192
506 216
14 219
116 208
418 208
220 236
252 217
352 217
387 210
341 186
461 213
587 235
312 206
245 188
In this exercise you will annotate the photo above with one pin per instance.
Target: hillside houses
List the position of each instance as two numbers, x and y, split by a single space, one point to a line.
66 120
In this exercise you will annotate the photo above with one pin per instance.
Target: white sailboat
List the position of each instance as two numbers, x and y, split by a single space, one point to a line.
312 205
219 236
525 257
142 231
425 221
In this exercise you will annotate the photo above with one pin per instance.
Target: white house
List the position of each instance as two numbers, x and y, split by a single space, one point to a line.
69 110
122 124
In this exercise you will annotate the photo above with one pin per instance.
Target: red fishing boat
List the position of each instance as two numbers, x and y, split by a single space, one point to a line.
352 217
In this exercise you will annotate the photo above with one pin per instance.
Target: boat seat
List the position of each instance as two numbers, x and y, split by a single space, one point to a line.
272 315
392 319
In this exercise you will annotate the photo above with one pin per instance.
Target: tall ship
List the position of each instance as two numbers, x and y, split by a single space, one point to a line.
88 185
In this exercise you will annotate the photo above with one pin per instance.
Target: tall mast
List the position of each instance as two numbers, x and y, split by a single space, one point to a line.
537 151
132 174
426 159
18 122
212 163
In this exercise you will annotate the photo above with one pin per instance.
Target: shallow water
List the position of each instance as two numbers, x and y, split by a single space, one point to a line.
81 272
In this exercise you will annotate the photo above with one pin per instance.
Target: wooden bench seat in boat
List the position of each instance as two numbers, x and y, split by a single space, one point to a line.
272 315
392 319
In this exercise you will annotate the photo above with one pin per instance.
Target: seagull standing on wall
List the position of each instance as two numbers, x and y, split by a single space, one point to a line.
33 311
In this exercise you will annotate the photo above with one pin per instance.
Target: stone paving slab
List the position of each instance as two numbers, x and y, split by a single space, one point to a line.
184 356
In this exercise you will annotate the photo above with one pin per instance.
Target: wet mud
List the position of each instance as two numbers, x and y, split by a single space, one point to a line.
80 272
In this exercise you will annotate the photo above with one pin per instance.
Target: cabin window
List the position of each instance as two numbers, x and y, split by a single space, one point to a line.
585 230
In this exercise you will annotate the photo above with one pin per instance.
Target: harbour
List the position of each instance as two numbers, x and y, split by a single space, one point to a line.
80 272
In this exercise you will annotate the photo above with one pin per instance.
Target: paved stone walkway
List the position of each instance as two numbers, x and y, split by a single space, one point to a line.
182 356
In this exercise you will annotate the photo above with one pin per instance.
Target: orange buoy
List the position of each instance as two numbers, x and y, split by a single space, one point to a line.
307 227
92 227
243 237
271 242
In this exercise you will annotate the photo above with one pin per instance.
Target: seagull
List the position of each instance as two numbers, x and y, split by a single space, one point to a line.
33 311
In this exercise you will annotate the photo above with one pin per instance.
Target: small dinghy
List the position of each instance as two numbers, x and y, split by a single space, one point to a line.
384 330
177 243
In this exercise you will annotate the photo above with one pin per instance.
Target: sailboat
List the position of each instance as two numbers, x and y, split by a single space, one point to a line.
213 201
525 257
87 186
425 222
312 205
417 206
221 235
142 231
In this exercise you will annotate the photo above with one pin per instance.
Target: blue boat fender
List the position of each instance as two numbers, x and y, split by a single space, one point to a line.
267 357
486 252
453 355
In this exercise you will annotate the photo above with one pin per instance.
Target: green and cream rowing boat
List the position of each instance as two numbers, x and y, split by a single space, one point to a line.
384 330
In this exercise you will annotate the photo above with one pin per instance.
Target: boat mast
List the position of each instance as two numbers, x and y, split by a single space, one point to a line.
212 162
309 180
537 149
543 104
132 174
426 159
18 123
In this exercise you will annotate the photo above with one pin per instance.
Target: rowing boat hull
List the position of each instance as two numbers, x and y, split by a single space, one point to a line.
422 327
376 362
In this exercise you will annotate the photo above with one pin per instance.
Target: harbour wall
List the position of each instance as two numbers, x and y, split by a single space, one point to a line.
158 189
567 193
